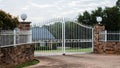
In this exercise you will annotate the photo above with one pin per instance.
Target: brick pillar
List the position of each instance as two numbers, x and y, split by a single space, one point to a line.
24 26
98 46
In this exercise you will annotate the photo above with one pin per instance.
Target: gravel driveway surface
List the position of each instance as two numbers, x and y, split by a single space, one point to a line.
79 61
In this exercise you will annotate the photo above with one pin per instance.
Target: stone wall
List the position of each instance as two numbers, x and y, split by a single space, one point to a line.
104 47
11 56
24 26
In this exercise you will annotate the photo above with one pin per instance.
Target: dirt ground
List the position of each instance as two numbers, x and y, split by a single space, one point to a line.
79 61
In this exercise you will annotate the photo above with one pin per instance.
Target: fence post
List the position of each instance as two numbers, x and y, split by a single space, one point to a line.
14 37
30 36
105 35
97 29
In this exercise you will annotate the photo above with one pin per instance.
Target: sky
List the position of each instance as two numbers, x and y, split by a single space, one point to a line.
38 10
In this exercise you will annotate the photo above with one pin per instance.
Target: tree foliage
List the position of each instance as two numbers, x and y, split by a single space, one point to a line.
7 21
110 16
118 4
55 29
112 21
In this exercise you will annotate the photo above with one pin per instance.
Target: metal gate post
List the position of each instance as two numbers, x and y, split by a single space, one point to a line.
92 39
105 35
63 36
30 36
14 37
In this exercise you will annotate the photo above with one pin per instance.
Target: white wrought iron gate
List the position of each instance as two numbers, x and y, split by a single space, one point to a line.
62 36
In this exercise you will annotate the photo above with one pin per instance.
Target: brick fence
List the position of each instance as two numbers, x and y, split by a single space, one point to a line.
11 56
101 47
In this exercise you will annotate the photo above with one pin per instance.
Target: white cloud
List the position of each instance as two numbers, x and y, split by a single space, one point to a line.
25 7
40 5
38 18
0 0
2 5
73 3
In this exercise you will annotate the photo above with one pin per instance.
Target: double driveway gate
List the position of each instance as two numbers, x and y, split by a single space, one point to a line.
61 36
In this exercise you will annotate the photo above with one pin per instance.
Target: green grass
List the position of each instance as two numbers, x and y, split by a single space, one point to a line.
68 50
27 64
79 50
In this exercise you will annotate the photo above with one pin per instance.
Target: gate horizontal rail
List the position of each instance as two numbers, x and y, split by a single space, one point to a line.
66 41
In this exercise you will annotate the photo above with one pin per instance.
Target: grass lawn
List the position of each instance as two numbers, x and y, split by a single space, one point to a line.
79 50
68 50
27 64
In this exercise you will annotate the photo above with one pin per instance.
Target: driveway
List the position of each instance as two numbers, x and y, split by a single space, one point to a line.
79 61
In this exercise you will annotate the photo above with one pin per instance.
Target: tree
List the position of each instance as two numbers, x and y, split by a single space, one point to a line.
112 21
85 18
110 16
118 4
7 21
95 13
90 19
55 29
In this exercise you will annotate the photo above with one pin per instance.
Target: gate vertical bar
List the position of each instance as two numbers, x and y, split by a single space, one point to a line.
63 36
92 39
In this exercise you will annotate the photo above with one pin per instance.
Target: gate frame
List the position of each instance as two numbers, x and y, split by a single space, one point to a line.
63 39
